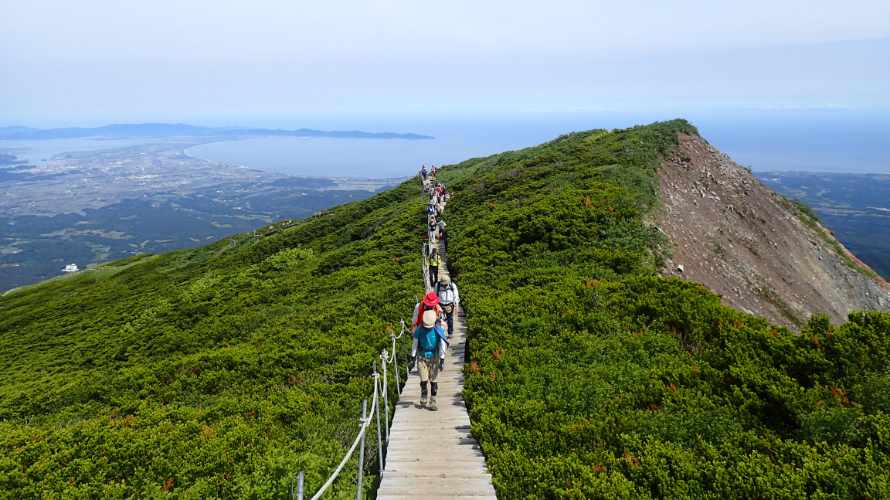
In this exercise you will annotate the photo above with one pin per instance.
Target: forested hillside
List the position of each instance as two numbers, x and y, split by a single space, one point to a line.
221 371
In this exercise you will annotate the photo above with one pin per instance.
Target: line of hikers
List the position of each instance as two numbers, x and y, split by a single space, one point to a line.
433 319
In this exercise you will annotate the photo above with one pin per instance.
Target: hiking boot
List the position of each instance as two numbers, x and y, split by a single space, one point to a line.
422 401
434 404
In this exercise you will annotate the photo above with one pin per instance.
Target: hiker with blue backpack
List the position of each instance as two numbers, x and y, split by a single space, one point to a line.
428 350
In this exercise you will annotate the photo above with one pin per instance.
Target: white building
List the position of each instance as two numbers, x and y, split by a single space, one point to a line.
70 268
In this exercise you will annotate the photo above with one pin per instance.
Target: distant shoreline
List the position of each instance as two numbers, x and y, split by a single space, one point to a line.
169 130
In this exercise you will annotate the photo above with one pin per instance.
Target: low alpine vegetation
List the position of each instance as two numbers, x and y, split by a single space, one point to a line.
217 372
592 377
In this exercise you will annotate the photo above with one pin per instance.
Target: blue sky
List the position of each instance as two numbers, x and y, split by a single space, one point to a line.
91 62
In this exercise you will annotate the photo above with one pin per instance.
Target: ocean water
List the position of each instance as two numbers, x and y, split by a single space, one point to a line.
359 158
817 141
825 141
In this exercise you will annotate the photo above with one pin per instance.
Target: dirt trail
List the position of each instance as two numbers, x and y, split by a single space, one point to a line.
754 248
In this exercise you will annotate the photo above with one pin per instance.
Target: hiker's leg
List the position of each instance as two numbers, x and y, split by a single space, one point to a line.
451 324
423 369
434 383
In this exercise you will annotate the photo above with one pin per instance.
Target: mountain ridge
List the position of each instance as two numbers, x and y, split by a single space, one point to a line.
221 371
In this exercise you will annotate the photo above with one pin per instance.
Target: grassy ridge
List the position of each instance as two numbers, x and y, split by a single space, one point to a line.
216 372
592 377
219 372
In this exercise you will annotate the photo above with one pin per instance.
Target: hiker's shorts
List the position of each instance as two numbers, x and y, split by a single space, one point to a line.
428 369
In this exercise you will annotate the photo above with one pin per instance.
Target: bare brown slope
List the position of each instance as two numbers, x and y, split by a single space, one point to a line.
750 245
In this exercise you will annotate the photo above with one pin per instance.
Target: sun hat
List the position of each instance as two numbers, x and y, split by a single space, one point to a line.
429 318
445 280
431 299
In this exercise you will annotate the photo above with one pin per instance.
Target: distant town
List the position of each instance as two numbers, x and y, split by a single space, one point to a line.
77 209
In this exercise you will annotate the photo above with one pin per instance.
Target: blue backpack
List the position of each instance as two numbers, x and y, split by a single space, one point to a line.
428 339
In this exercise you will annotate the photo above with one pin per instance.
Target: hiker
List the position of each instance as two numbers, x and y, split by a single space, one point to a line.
449 300
442 236
428 351
433 262
430 302
423 174
439 195
432 225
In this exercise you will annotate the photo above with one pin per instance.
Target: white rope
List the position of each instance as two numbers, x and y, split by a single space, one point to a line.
402 332
387 358
365 424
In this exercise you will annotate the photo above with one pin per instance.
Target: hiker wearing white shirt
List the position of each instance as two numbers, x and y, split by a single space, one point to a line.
449 300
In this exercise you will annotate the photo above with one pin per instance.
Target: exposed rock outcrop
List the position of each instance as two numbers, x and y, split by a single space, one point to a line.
756 249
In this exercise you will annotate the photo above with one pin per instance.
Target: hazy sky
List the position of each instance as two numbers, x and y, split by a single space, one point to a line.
212 61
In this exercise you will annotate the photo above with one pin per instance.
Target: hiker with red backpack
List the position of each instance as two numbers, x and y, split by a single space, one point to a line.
428 351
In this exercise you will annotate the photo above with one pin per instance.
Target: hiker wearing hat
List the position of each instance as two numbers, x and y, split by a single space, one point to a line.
433 262
449 300
430 302
428 350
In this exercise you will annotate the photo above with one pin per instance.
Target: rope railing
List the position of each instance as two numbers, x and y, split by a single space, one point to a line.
381 387
359 440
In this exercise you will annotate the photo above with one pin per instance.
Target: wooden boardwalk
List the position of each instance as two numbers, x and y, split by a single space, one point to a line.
431 454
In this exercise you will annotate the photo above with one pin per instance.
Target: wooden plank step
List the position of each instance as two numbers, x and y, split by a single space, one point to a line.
451 488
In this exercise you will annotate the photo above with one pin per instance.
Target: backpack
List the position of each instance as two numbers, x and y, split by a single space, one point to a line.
448 308
428 340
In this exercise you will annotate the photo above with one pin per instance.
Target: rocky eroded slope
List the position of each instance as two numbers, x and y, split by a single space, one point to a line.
762 253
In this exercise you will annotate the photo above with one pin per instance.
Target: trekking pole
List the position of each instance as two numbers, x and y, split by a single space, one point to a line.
361 451
379 440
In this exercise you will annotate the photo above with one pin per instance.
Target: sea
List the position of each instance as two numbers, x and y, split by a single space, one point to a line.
817 141
763 140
